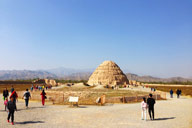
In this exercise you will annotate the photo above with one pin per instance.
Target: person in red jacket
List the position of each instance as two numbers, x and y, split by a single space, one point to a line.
15 97
43 97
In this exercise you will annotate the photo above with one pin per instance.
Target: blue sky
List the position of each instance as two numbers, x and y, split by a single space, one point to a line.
146 37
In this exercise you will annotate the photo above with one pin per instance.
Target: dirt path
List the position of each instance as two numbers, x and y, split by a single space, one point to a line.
174 113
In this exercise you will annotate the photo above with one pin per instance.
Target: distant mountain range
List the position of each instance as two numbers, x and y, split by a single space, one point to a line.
155 79
74 74
24 74
65 72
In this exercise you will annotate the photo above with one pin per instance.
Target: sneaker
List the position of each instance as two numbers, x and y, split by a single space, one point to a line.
12 123
8 121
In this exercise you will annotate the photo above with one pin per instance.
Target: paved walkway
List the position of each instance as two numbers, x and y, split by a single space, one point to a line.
174 113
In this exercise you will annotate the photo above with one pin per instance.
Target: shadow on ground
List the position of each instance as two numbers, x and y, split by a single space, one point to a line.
169 118
82 107
29 108
30 122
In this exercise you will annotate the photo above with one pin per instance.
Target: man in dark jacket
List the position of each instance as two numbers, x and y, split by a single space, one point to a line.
171 93
151 102
178 93
5 93
11 107
26 96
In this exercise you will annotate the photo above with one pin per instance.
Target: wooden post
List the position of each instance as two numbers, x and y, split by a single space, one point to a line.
123 99
102 99
63 97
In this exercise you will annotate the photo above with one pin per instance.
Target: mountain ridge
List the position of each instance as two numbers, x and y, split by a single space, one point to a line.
75 74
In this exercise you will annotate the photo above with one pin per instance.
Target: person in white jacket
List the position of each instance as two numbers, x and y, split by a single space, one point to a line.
144 109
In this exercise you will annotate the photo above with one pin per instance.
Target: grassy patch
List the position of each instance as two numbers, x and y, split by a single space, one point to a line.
17 87
169 83
93 94
70 81
186 90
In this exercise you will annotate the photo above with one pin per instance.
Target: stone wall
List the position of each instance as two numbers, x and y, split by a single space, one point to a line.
85 97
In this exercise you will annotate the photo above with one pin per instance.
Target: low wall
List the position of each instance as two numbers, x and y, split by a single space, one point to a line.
131 99
86 97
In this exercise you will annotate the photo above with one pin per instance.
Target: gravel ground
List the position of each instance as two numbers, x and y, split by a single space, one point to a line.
172 113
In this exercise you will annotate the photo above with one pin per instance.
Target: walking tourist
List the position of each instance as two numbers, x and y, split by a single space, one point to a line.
5 103
32 88
178 93
12 88
151 102
43 97
11 107
171 93
26 96
144 109
15 97
5 94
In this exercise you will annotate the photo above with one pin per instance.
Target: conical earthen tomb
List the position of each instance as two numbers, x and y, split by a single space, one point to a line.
108 73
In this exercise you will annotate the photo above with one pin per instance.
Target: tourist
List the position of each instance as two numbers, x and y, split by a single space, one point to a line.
171 93
26 96
31 88
15 97
11 107
151 102
43 97
144 109
12 88
36 88
5 103
178 93
5 94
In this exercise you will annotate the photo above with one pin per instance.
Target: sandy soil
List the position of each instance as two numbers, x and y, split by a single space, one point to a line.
172 113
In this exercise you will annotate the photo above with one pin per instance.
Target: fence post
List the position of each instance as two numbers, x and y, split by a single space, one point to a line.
102 99
123 99
63 97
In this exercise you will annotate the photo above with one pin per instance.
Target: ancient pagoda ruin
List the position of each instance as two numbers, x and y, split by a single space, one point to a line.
108 74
